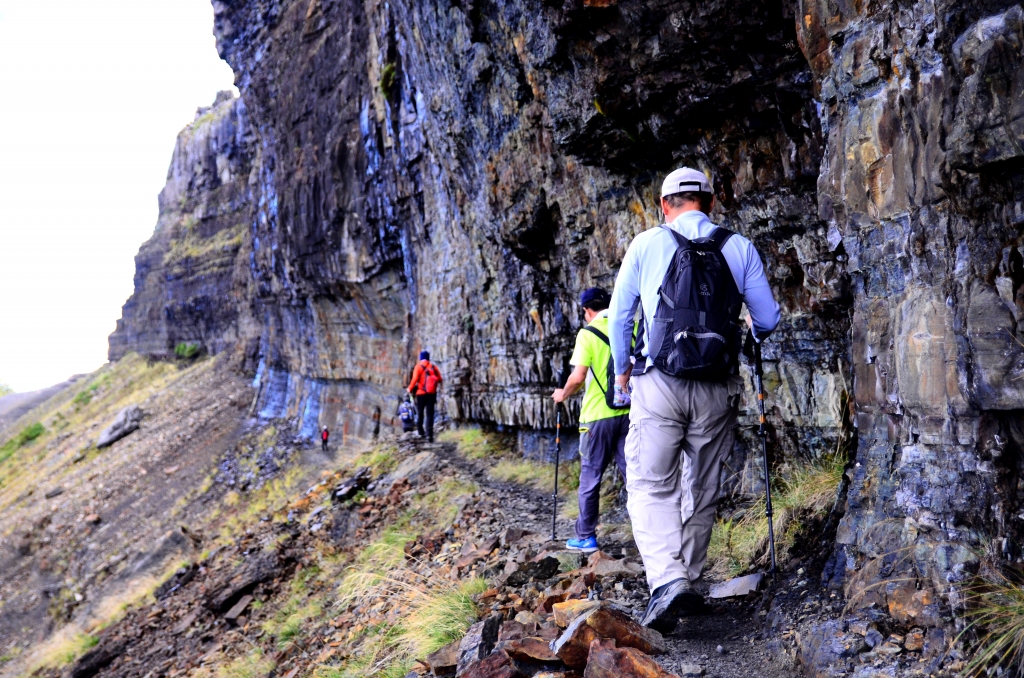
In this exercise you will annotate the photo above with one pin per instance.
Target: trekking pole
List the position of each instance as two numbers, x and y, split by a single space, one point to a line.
558 456
762 432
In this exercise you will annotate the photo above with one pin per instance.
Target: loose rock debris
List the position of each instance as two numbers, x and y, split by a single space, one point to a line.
548 612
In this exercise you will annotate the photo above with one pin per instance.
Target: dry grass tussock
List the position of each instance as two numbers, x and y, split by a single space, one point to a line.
403 609
434 611
995 611
808 492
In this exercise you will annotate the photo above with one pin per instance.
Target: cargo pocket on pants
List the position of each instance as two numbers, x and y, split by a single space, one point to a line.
584 444
656 465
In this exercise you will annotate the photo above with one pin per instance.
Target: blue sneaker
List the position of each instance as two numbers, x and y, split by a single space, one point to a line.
588 545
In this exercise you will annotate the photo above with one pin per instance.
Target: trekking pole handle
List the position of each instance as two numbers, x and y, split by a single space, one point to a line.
762 431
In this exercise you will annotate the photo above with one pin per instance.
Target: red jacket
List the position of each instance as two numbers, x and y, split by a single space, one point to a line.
418 384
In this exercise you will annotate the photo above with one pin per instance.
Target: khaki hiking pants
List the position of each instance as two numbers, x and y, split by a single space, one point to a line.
680 433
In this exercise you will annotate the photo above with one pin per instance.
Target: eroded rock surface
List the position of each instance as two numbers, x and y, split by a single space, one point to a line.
921 186
449 175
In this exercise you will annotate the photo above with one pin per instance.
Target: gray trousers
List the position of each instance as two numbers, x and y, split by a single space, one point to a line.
600 442
680 433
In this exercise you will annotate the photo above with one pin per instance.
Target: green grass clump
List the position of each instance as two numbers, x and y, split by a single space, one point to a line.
21 439
5 389
63 649
186 350
472 443
298 609
996 614
808 492
84 397
376 560
81 644
440 615
381 459
540 476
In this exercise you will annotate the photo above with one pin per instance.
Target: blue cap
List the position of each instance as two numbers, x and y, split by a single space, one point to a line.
595 294
424 355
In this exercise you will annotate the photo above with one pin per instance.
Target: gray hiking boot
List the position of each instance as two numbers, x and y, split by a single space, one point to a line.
669 602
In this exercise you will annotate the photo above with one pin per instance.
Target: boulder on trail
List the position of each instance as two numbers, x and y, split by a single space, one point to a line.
608 661
224 593
604 621
478 642
566 612
529 650
538 569
738 586
97 659
498 665
413 467
443 662
127 421
512 535
348 488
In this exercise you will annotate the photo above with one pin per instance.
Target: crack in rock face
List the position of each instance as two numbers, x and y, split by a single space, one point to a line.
403 176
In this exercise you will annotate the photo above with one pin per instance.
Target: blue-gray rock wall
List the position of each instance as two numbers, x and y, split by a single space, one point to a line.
921 185
450 176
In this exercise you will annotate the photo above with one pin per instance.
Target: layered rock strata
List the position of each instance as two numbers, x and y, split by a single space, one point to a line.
449 175
921 186
190 284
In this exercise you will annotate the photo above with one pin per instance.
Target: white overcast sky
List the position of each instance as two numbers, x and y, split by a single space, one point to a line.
92 95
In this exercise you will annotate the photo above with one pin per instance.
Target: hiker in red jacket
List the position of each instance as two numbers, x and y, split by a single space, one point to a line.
426 379
323 439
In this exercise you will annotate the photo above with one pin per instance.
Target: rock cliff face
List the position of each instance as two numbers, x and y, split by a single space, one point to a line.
188 287
450 177
404 175
921 186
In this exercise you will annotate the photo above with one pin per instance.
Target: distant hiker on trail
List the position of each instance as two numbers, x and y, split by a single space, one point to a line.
426 379
603 421
690 278
323 439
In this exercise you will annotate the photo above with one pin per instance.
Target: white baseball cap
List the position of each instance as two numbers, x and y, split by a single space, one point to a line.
684 180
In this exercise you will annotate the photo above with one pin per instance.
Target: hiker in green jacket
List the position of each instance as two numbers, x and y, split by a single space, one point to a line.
604 420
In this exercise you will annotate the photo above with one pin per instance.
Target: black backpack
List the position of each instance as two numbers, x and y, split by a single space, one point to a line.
696 331
609 382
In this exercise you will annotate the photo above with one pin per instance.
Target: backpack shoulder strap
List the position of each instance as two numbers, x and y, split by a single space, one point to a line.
603 337
600 335
719 237
681 240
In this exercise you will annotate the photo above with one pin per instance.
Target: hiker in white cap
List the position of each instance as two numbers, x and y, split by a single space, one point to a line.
690 278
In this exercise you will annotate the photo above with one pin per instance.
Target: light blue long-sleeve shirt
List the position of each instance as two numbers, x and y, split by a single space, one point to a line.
644 268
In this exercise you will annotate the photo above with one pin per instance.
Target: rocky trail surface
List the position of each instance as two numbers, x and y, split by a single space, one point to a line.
222 615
